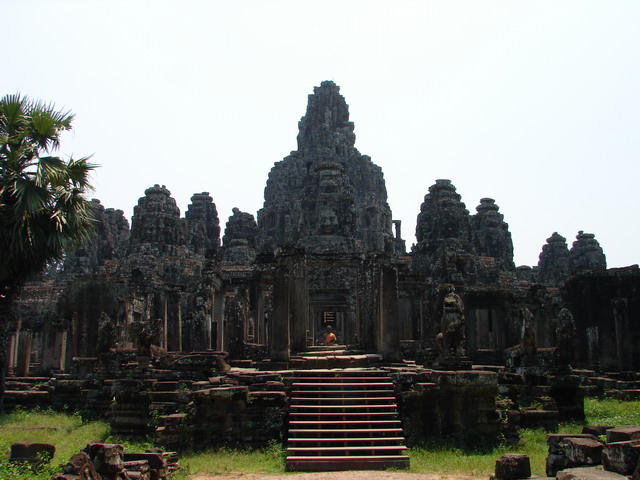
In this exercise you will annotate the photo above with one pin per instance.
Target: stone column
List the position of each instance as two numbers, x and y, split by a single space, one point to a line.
12 358
24 353
62 365
623 338
398 226
218 314
299 304
50 350
174 322
280 331
389 315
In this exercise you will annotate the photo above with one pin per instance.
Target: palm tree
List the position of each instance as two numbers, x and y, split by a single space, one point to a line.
43 209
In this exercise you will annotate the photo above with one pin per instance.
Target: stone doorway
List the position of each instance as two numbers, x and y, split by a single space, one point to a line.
324 317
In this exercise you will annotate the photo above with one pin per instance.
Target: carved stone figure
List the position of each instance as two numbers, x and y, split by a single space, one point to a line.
528 338
452 334
142 334
107 334
565 333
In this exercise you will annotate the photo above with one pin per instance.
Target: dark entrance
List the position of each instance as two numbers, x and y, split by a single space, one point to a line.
325 316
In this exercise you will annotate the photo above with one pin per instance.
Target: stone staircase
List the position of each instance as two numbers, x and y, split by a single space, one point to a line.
344 420
324 357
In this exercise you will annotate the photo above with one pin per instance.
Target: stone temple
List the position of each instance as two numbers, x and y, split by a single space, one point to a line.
323 251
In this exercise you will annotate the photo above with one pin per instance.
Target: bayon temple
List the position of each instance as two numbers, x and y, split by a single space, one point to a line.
260 292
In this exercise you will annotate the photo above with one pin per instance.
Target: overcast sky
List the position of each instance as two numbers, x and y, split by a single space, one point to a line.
533 103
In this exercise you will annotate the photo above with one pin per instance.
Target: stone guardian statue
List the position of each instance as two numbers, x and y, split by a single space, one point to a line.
452 336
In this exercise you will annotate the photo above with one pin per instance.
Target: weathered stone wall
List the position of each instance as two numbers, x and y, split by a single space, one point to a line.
456 405
108 244
606 308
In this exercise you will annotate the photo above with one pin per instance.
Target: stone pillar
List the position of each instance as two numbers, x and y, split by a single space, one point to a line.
24 353
163 340
174 322
593 346
218 318
50 349
390 341
398 225
260 334
208 327
13 352
623 338
299 323
280 342
63 349
180 342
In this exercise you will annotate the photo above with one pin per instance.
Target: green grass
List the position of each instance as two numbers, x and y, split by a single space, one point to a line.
70 434
612 412
448 459
269 460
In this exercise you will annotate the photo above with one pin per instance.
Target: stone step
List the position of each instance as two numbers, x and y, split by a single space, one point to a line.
344 416
348 360
31 380
344 408
348 450
341 379
325 353
325 348
343 372
378 423
343 400
344 420
369 441
342 432
172 419
361 393
337 463
170 396
341 385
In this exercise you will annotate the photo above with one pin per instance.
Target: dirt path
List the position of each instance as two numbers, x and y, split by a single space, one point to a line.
351 475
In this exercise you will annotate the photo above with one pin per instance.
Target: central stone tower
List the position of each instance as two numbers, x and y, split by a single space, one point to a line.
326 226
326 196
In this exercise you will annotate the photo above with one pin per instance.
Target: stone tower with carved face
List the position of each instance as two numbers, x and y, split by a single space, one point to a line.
326 196
327 222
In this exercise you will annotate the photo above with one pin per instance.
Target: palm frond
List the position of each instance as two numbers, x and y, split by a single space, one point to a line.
79 170
12 116
30 198
46 127
49 167
60 117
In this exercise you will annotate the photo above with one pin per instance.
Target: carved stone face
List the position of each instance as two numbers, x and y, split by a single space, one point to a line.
328 221
148 230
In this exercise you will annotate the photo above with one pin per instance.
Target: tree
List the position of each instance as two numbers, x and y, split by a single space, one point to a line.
43 208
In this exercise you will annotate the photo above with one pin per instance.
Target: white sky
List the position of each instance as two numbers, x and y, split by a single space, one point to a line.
533 103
